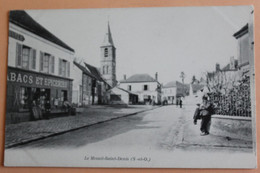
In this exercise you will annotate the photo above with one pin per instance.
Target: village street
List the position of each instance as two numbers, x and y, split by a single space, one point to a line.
162 128
155 129
166 131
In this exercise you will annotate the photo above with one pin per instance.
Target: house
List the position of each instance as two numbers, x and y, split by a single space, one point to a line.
39 68
92 88
121 96
146 87
244 50
174 90
169 92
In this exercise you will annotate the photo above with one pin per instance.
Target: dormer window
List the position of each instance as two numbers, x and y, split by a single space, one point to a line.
106 52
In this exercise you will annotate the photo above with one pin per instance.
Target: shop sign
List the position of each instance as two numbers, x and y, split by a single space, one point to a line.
34 79
16 36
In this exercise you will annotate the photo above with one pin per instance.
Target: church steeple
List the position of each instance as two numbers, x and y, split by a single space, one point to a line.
108 41
108 59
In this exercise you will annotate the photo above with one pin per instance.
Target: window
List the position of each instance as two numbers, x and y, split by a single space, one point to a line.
47 63
115 97
145 87
25 57
104 69
129 87
107 69
106 52
64 68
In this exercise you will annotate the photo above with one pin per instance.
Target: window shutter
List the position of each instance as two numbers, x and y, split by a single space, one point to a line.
52 64
41 61
60 63
18 54
68 69
33 59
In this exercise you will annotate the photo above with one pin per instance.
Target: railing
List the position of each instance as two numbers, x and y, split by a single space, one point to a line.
236 102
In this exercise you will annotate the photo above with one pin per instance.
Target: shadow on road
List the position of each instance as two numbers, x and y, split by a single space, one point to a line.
92 133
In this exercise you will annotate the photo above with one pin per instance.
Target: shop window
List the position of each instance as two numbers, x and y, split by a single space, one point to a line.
25 57
24 97
47 63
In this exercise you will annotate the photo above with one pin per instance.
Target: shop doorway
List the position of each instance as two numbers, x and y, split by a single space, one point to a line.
40 96
64 95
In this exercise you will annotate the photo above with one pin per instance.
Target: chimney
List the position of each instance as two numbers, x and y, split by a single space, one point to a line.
217 67
232 63
156 76
124 77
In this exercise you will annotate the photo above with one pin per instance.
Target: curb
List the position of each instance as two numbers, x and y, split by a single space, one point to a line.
74 129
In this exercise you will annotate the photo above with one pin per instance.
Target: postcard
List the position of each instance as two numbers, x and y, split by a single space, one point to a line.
168 87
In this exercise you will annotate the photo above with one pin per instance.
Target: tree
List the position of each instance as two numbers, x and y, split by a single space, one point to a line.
182 76
221 81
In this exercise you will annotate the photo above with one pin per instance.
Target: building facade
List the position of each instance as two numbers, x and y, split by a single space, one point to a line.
120 96
146 87
92 87
39 67
108 59
169 92
244 50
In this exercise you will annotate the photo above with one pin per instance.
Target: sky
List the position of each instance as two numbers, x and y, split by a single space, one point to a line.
167 40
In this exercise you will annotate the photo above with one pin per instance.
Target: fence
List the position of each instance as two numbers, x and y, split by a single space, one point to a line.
236 102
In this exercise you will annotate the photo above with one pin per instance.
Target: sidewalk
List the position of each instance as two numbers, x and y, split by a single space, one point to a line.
25 132
225 132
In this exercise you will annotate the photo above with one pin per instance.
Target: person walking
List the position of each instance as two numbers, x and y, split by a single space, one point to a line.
180 103
204 113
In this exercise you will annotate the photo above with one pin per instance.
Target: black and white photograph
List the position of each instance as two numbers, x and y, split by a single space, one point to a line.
153 87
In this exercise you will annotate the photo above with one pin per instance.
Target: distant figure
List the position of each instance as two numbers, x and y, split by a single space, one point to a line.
177 102
47 109
180 103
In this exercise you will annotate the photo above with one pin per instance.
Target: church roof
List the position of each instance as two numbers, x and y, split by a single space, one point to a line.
139 78
108 41
25 21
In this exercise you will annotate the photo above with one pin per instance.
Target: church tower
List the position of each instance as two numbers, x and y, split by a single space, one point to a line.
108 59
